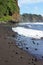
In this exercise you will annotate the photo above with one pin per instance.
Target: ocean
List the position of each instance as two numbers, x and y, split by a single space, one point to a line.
30 38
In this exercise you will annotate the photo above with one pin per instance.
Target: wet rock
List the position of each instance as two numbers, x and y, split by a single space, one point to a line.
33 38
26 47
14 35
37 43
41 37
33 42
36 49
42 56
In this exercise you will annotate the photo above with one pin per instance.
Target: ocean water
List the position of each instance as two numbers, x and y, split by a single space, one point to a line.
30 38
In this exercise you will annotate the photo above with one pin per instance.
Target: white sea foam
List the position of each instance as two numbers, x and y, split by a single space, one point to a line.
30 38
28 32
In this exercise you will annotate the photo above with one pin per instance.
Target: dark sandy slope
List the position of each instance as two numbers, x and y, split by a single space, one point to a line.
10 54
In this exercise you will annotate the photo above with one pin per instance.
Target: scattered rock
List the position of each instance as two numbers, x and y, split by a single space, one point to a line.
35 60
33 42
37 43
42 56
29 63
13 35
34 64
26 47
33 38
36 49
32 59
8 42
16 52
21 57
41 37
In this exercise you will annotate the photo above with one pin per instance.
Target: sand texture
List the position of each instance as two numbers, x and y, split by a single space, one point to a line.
10 54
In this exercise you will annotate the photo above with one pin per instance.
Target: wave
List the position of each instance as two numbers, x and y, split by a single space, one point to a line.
30 38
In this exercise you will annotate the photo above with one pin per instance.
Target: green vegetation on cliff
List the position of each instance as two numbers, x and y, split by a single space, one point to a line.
8 8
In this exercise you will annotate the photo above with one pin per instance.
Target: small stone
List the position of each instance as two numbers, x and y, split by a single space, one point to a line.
32 61
16 52
13 35
8 42
34 64
21 57
33 42
41 37
36 49
29 63
35 59
26 47
37 43
42 56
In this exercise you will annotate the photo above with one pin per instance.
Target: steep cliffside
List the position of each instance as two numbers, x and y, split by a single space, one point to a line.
9 8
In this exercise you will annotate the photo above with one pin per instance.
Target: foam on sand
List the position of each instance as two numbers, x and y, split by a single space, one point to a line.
29 39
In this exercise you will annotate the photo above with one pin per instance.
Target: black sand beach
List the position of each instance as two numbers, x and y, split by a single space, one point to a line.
10 54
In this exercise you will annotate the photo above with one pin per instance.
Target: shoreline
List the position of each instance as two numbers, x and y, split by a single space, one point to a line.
10 54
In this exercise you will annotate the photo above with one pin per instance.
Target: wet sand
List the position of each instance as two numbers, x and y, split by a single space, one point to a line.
10 54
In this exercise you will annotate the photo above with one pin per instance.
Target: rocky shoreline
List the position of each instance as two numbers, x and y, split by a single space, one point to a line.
10 54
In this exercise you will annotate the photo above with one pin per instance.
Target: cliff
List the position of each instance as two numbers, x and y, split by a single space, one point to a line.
31 18
9 9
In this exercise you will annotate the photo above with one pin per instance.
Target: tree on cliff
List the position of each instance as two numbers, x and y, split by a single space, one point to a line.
32 17
8 7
